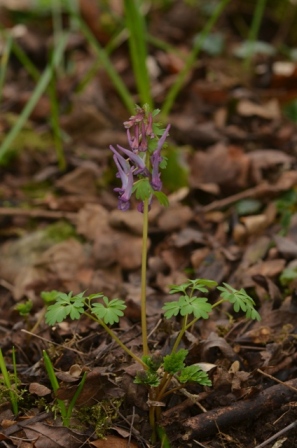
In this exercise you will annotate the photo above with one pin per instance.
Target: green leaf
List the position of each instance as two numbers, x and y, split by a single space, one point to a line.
198 306
153 362
186 305
199 284
49 296
240 300
175 362
143 189
194 373
24 308
65 305
288 275
162 198
55 314
148 378
110 311
171 309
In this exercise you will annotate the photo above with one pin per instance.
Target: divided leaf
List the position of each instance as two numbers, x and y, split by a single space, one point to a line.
110 311
175 362
240 300
186 305
194 373
142 189
65 305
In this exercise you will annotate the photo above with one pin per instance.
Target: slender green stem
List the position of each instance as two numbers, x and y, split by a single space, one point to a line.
218 303
163 386
117 340
143 277
175 89
180 335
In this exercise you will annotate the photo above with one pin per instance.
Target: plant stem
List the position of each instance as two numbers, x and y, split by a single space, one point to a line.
180 335
117 340
143 277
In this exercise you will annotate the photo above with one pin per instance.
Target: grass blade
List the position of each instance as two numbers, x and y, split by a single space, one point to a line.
54 383
12 394
39 90
4 62
254 30
175 89
108 66
138 49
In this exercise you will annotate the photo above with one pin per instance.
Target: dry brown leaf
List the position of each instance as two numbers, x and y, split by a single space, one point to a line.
269 111
113 442
175 217
47 436
39 389
227 166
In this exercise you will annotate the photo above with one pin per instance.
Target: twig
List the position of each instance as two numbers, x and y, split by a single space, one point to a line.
52 342
37 213
276 435
205 425
259 190
276 380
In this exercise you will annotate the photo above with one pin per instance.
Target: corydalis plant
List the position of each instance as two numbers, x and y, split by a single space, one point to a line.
139 170
139 167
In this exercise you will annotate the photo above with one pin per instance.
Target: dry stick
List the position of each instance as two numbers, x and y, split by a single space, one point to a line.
276 435
259 190
37 213
276 380
52 342
206 425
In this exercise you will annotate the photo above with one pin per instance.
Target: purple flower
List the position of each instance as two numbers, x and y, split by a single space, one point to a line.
133 140
156 159
137 160
149 127
125 173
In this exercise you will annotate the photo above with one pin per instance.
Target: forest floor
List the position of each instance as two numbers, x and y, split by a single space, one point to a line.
232 218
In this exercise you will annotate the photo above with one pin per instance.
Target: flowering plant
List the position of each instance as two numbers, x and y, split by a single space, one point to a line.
139 171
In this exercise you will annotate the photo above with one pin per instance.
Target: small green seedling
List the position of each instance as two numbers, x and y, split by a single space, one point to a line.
65 411
7 381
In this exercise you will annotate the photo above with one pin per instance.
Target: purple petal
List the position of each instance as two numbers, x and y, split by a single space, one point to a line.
137 160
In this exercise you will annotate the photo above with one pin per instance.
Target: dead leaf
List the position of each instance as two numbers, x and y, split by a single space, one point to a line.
227 166
114 442
39 389
47 436
175 217
268 111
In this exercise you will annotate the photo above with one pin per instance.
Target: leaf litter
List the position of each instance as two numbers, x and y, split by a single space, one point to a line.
240 146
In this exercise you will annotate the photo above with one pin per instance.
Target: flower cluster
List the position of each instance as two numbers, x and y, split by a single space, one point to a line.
139 166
